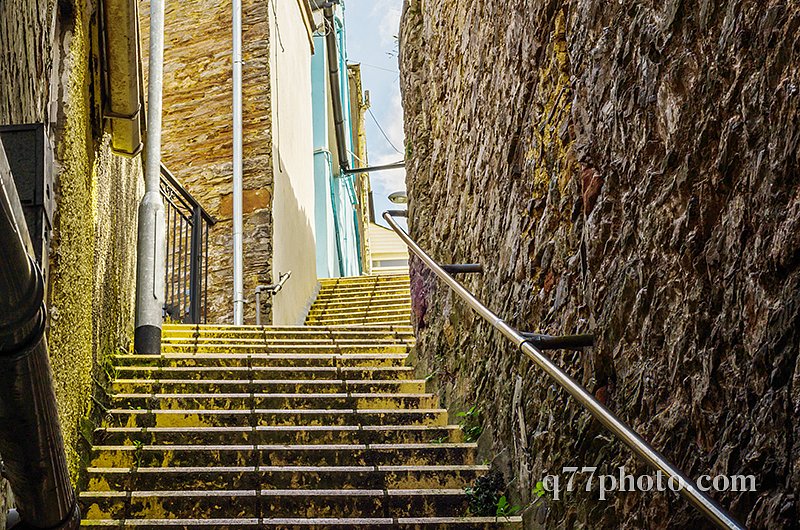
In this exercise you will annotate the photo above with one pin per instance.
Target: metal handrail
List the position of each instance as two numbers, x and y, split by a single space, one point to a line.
688 489
272 289
186 270
189 201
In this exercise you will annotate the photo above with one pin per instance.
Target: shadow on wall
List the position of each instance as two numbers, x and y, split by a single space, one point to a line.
295 250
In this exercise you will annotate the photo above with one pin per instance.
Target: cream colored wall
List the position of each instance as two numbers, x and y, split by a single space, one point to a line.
385 245
294 237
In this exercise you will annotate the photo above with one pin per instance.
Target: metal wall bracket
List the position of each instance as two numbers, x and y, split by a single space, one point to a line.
463 268
563 342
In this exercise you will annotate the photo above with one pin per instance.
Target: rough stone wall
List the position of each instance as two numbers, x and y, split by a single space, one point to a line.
630 169
52 63
198 136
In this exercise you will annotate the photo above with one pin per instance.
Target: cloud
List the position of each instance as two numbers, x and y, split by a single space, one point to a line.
389 25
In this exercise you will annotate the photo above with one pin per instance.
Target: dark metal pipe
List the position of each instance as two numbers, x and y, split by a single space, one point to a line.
30 434
369 169
463 268
564 342
336 89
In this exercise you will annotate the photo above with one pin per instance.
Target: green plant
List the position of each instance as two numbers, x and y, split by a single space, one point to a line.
470 423
539 490
485 494
504 509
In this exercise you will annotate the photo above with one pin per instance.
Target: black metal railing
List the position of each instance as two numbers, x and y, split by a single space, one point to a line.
186 282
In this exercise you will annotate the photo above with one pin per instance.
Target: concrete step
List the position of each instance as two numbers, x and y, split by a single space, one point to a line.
366 278
357 293
262 359
265 372
398 309
363 299
308 523
325 333
283 344
287 331
254 347
275 417
206 503
248 401
283 477
292 434
268 386
388 280
360 320
283 455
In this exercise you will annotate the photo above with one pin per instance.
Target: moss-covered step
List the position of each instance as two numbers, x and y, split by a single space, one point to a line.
283 477
264 434
313 386
274 503
277 417
197 373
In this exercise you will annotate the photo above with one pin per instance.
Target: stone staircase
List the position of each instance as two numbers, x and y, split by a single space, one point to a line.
320 426
363 300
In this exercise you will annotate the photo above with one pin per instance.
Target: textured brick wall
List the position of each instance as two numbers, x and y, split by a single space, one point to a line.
92 270
628 168
198 137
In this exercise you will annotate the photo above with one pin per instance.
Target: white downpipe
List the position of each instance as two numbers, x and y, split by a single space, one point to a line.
151 236
238 287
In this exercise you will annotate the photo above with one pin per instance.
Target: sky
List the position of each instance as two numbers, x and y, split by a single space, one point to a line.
372 28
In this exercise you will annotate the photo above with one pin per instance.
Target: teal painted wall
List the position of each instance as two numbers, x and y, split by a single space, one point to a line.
338 248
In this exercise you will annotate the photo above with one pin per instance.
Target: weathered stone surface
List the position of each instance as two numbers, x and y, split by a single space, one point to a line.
48 73
627 168
198 136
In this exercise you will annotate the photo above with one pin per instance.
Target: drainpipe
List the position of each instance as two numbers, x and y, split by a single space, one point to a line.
238 268
336 90
30 432
123 106
151 243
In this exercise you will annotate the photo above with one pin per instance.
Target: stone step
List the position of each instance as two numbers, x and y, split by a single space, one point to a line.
268 386
263 359
285 343
276 417
346 295
283 455
247 401
366 283
359 320
284 477
333 334
292 435
354 280
274 503
362 299
254 347
348 312
265 372
317 523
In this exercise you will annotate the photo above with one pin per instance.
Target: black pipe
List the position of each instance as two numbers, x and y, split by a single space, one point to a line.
336 90
463 268
370 169
30 434
564 342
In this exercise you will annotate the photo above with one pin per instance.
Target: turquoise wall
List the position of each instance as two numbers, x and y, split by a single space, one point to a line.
338 244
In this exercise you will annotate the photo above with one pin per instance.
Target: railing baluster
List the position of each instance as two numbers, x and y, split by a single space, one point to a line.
205 279
186 275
